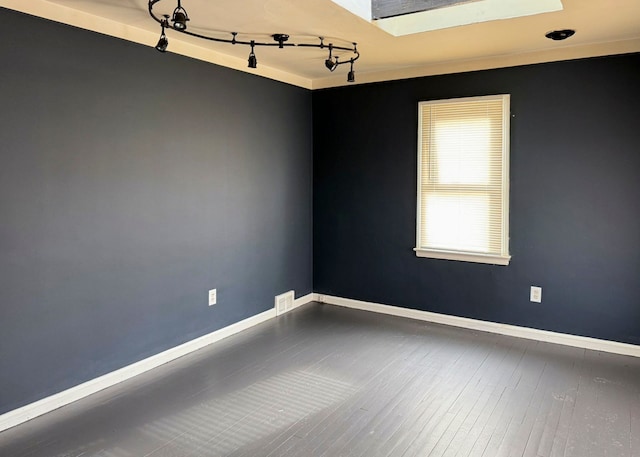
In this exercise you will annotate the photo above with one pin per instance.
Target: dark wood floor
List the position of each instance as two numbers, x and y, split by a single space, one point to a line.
329 381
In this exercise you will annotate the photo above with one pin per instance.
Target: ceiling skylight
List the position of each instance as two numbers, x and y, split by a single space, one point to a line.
418 16
383 9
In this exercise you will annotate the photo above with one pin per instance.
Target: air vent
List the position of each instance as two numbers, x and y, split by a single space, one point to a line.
284 302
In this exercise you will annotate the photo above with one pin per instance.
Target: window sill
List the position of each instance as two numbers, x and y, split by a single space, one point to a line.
462 256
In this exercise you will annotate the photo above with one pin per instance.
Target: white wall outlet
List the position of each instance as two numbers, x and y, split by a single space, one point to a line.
213 297
536 294
320 298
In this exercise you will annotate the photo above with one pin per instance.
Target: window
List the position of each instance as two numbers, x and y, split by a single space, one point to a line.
463 179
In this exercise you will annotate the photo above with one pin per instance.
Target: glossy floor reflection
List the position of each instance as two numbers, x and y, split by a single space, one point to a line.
329 381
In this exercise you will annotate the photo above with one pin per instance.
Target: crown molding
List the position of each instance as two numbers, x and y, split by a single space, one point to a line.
502 61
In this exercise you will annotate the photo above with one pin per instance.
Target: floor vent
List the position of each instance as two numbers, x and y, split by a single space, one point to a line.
284 302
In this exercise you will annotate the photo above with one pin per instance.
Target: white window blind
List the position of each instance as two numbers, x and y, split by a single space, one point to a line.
463 179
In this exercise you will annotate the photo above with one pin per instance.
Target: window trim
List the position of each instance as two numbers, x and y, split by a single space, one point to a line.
468 256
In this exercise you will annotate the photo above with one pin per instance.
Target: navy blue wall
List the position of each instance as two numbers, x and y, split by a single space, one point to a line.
131 182
575 198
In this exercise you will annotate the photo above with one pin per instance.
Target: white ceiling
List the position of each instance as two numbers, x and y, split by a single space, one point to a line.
602 28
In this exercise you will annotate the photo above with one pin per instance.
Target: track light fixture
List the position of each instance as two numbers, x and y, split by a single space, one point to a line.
330 63
180 17
163 42
351 76
253 62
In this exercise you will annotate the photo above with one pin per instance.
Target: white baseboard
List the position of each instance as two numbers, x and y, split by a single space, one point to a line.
38 408
485 326
303 300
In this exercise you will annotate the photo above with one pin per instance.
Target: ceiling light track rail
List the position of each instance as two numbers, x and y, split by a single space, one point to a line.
178 21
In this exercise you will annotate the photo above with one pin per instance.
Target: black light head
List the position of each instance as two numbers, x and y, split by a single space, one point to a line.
330 64
253 62
162 43
351 76
180 19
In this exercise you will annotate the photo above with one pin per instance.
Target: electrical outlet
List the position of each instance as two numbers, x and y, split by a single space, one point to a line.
213 297
536 294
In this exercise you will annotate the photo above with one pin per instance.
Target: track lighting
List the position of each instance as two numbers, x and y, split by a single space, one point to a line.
253 62
162 42
180 17
351 76
329 63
